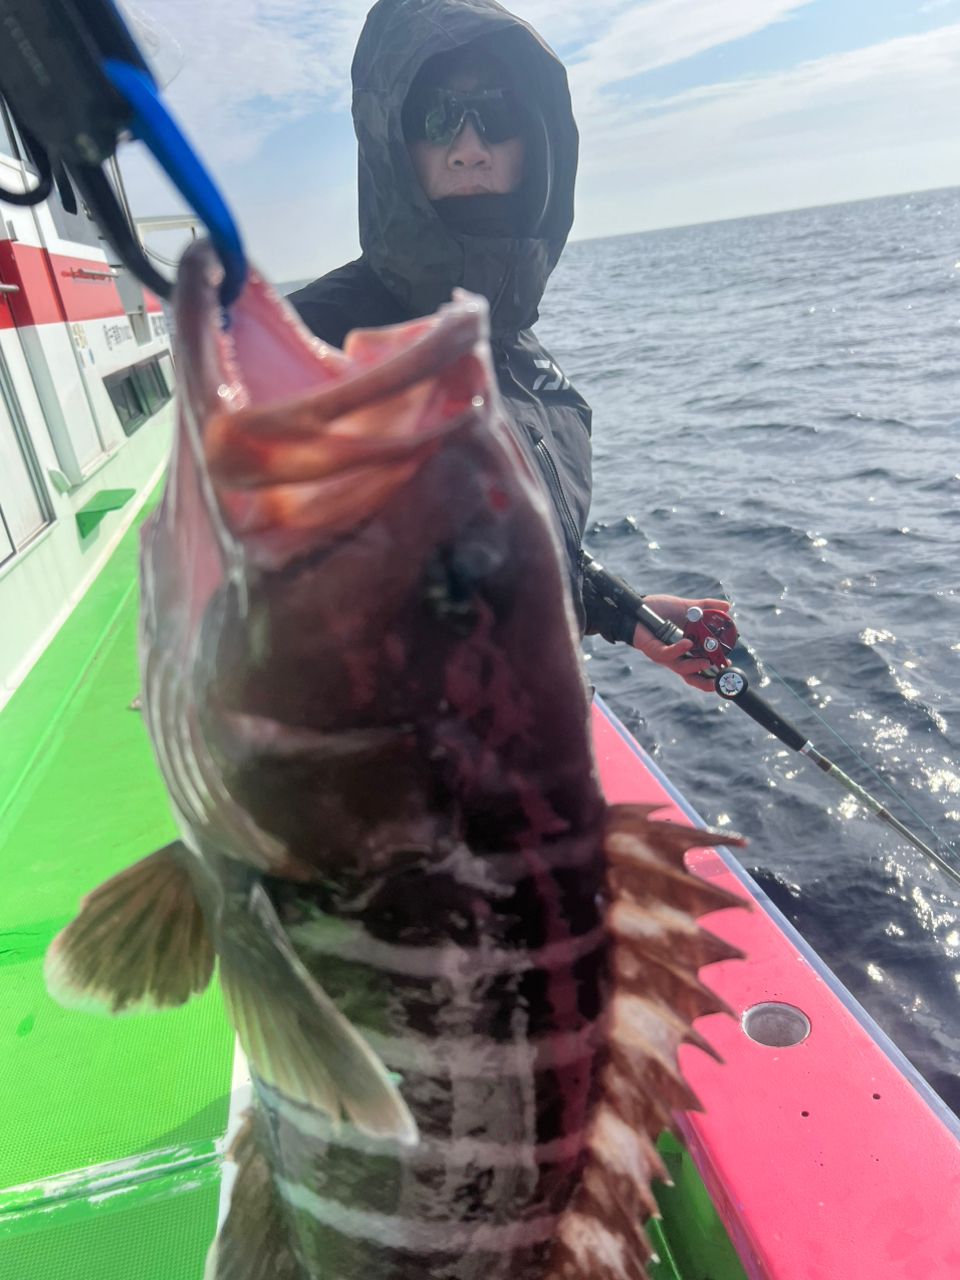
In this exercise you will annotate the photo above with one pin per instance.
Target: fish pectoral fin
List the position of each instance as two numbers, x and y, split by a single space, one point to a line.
139 941
253 1243
294 1036
657 951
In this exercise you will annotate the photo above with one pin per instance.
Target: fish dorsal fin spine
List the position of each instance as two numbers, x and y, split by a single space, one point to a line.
656 953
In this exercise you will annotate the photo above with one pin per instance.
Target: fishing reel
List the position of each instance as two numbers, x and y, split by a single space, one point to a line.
713 633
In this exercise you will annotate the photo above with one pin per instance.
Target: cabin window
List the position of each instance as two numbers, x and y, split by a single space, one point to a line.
151 385
24 510
78 227
165 366
130 408
137 393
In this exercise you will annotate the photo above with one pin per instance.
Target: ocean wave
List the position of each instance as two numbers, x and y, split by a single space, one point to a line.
781 452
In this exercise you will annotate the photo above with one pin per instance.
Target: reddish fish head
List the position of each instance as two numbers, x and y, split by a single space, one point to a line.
302 442
346 584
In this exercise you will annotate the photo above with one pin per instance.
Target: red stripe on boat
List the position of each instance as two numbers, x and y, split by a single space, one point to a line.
54 288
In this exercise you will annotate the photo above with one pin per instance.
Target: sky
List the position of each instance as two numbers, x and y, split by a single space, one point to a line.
689 110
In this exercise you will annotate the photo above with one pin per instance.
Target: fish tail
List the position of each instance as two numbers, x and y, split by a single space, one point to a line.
254 1241
138 942
657 950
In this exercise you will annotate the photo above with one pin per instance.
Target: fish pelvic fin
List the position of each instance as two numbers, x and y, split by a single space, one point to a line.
293 1034
656 954
139 941
254 1241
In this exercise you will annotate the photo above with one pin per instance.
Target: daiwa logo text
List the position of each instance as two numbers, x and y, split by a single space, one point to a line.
553 380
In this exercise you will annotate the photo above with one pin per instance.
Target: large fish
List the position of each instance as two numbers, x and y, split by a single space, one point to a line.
460 978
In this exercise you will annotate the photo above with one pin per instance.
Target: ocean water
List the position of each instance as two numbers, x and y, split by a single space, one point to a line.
777 421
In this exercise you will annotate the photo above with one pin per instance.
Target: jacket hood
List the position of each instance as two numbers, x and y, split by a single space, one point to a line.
419 258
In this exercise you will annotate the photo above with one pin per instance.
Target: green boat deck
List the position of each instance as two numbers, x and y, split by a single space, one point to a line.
109 1165
110 1158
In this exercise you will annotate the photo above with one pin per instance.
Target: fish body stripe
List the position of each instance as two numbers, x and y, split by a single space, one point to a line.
496 1044
417 1235
470 1057
448 1153
352 942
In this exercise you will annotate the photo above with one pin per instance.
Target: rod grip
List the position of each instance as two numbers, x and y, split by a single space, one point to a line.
733 685
627 602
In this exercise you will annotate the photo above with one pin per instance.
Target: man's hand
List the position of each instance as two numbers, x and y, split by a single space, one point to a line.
674 655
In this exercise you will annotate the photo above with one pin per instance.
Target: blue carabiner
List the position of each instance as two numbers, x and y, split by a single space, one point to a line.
154 126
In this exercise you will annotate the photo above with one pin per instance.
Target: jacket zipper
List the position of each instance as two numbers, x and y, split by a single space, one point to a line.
549 467
553 478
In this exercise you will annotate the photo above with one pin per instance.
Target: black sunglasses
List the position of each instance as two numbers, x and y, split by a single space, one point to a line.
438 115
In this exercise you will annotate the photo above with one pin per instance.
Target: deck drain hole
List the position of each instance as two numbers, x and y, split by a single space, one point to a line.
774 1024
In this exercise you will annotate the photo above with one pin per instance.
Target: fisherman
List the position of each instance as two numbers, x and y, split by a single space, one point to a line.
467 164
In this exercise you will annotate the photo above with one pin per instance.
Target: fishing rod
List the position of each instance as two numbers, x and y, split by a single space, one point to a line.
714 637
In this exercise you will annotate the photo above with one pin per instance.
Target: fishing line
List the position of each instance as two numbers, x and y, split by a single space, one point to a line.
763 667
734 684
714 637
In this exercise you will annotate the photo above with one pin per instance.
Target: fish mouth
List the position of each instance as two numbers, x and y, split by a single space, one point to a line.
291 431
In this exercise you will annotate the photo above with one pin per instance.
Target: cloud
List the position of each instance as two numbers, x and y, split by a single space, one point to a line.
251 66
871 121
662 32
240 73
569 25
